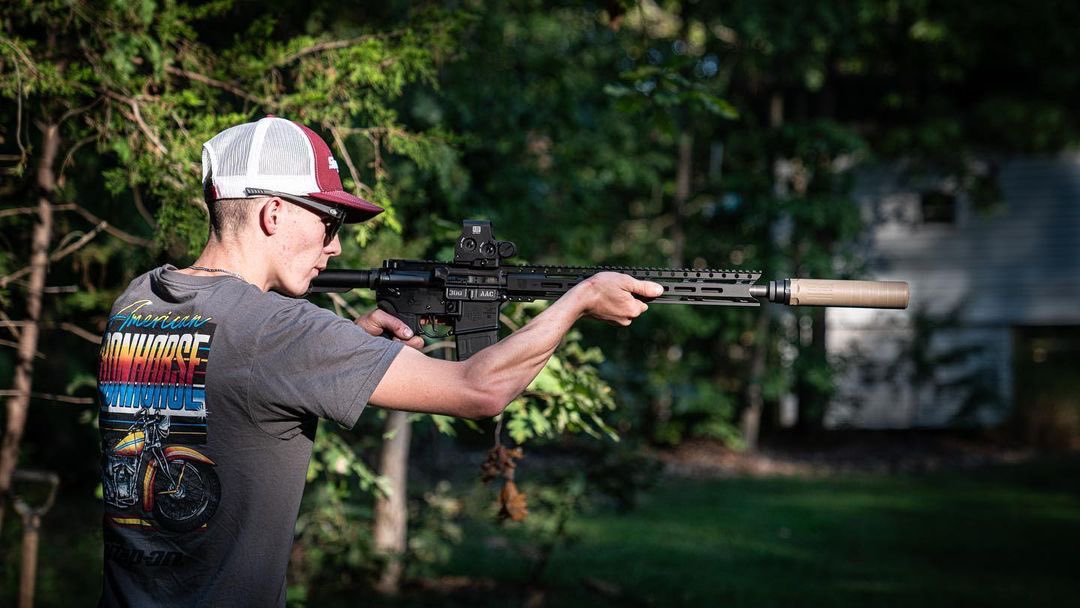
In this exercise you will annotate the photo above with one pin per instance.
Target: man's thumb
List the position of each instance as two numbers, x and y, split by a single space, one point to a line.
652 290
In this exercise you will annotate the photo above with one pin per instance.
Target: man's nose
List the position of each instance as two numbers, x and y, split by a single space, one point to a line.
334 248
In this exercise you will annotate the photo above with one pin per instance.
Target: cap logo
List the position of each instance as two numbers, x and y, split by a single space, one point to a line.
332 163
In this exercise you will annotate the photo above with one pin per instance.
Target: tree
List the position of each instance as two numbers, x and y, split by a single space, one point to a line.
136 81
651 149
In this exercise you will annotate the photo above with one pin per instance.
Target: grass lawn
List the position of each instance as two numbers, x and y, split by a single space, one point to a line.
1004 536
1000 536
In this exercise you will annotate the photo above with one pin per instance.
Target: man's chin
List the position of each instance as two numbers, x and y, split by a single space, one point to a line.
297 290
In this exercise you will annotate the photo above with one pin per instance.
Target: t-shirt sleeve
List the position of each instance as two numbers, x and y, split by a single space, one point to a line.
308 361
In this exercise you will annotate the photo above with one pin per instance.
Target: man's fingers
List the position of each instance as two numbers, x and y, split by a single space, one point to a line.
649 289
387 321
379 322
619 298
415 342
402 331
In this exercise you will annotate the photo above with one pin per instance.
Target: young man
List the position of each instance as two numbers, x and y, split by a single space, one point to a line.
212 377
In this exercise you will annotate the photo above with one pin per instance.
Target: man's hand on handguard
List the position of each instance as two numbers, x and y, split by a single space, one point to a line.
378 322
610 296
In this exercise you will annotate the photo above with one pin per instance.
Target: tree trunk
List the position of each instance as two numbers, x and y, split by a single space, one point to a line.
18 404
812 401
391 511
750 422
660 406
682 195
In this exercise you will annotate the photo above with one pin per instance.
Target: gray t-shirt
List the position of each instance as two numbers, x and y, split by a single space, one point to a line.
210 391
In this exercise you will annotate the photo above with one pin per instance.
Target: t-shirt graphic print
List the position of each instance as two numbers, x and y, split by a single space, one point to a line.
153 418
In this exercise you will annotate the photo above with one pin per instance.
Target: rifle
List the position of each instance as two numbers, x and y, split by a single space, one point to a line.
468 293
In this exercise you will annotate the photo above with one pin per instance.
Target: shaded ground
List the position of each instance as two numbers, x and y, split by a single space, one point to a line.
884 452
869 521
978 530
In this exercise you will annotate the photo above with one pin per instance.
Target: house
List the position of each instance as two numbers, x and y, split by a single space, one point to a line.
994 319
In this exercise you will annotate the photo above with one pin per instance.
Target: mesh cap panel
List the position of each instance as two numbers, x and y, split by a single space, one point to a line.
231 147
285 151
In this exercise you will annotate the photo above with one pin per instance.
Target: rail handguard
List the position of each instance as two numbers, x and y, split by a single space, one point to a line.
467 294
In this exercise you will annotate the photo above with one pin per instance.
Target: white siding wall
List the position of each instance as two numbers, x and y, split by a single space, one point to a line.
1018 264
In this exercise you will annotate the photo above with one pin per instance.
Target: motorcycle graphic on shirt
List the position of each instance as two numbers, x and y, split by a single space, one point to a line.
153 419
174 483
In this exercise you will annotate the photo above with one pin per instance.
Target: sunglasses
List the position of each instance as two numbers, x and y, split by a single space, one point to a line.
332 217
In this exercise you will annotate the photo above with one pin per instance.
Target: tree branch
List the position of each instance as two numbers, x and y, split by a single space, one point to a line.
61 289
37 355
29 210
83 240
23 153
331 45
507 321
219 84
136 195
51 397
340 143
57 255
17 211
136 117
26 59
90 217
68 327
5 321
76 111
440 345
71 153
120 234
376 163
82 333
340 301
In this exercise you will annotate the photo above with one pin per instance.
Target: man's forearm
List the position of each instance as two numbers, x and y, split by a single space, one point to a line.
507 367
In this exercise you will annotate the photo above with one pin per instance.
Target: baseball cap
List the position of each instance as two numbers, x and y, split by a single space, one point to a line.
279 155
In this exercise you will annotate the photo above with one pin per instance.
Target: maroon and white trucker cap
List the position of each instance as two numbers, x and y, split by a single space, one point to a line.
280 155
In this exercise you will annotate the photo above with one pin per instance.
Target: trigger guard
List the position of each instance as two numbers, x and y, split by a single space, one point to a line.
432 321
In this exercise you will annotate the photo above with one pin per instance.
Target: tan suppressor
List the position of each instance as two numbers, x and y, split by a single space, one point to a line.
860 294
824 292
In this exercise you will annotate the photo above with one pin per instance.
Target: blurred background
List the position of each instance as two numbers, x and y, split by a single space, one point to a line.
704 456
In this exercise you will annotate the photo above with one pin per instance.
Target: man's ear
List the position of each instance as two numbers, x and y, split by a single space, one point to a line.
270 215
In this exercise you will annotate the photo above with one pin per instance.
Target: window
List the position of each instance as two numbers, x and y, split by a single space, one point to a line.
938 207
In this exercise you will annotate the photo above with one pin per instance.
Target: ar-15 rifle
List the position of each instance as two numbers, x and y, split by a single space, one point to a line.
468 293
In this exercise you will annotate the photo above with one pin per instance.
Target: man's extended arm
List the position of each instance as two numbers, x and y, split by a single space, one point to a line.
483 385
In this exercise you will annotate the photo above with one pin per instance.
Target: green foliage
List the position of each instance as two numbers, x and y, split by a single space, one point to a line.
552 507
435 529
664 87
568 395
336 551
338 464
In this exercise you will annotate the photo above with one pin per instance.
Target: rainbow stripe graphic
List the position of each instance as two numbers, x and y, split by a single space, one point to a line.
154 362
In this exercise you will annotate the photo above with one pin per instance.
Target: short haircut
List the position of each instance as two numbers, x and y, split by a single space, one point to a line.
227 215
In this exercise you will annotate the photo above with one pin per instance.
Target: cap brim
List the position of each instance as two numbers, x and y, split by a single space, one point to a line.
356 208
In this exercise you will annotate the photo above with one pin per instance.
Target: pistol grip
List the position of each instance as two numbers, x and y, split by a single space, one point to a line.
410 319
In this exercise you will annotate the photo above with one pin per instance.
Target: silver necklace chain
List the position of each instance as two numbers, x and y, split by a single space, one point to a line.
221 270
